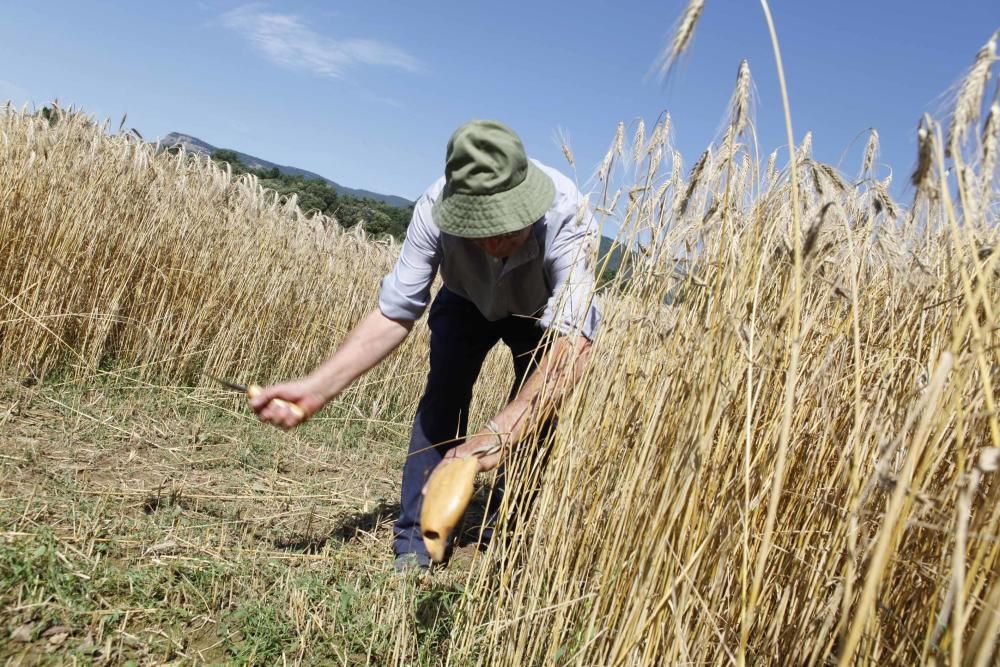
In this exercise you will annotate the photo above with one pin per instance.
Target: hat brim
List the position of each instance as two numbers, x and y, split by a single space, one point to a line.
481 216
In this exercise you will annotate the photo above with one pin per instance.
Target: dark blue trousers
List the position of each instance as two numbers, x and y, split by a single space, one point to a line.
460 340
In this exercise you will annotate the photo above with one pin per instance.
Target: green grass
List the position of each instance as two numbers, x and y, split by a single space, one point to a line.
159 524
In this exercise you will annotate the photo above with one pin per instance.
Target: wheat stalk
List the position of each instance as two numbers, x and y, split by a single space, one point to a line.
683 34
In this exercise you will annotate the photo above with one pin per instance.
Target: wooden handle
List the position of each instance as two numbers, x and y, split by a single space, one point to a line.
448 493
253 390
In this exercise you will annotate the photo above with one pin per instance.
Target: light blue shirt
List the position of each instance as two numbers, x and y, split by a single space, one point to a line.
550 277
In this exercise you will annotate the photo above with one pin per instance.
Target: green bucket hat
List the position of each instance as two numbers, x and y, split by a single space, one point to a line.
490 186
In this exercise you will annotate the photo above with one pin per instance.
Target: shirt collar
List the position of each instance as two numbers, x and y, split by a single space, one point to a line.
524 254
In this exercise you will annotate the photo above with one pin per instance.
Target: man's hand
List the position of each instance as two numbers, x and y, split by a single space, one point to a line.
303 393
367 344
473 448
476 446
557 372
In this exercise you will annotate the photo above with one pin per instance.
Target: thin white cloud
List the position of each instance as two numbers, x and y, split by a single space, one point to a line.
286 40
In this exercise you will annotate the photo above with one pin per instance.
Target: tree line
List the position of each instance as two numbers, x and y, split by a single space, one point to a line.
375 217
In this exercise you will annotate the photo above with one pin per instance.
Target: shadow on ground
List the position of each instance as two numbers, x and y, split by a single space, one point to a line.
348 529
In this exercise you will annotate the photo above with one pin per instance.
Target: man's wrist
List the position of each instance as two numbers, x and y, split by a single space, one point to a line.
322 387
498 439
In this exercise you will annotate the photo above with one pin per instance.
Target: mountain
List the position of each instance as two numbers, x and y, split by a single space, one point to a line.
196 145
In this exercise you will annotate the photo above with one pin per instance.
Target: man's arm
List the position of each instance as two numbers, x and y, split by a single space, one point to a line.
557 373
403 296
371 341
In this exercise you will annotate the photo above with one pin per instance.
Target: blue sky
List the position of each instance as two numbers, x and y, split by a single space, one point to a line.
367 93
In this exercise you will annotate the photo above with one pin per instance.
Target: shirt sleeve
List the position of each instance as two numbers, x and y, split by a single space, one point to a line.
573 308
404 293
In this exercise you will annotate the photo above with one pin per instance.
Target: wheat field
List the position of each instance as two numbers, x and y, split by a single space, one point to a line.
784 450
